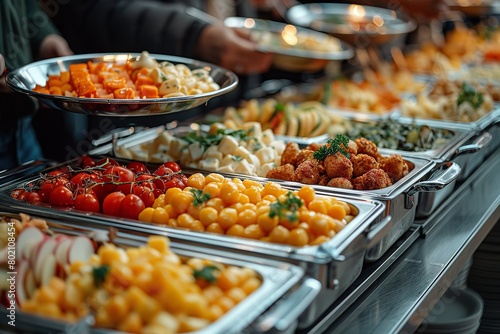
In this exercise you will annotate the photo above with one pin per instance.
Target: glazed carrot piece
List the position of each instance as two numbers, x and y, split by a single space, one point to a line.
124 93
143 80
85 88
148 91
114 84
64 77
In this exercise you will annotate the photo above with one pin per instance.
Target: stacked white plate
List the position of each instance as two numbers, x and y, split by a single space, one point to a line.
484 277
457 312
460 281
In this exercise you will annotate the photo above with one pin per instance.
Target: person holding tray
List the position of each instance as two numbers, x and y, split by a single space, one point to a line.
26 34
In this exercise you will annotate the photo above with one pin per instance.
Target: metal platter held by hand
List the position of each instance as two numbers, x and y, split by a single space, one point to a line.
31 78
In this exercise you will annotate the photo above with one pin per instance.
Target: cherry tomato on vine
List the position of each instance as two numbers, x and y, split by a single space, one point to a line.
16 193
163 171
61 196
137 167
131 206
33 198
145 180
81 179
56 173
112 202
174 166
146 194
118 174
87 162
107 162
174 183
87 202
49 185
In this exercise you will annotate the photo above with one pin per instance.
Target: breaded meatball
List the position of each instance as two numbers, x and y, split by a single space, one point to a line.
366 146
395 166
338 165
290 154
304 155
374 179
362 163
284 172
323 180
314 146
340 182
307 172
352 148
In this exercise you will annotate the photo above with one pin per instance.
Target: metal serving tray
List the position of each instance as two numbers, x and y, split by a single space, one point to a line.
258 311
400 199
335 263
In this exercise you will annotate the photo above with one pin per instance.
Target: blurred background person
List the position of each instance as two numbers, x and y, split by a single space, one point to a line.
26 34
157 26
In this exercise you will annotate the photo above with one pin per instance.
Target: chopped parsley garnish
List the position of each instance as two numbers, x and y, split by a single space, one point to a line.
468 93
334 145
199 196
206 273
214 139
287 208
99 274
237 158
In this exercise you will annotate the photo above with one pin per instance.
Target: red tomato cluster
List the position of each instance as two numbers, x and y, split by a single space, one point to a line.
104 186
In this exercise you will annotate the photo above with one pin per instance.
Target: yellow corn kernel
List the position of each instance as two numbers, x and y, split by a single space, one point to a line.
196 180
208 215
266 223
160 216
227 217
160 243
298 237
229 193
236 230
247 217
307 194
146 215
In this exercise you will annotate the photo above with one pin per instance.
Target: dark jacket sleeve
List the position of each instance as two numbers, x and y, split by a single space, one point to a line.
128 26
39 25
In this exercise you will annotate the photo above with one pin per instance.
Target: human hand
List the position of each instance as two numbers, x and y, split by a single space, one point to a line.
232 49
54 46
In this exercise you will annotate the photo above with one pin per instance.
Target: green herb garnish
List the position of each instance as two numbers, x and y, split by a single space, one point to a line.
237 158
199 196
99 274
206 273
287 208
334 145
468 93
214 139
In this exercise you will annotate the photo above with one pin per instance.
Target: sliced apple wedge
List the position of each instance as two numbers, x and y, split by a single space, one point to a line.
48 269
30 283
81 249
61 251
23 267
28 238
44 249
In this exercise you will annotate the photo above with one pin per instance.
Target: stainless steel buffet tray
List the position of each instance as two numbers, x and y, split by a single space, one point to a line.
283 282
335 263
400 199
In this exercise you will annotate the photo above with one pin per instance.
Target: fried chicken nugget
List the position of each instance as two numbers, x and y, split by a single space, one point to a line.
307 172
366 146
395 166
373 179
323 180
290 154
362 163
284 172
352 148
304 155
340 182
338 165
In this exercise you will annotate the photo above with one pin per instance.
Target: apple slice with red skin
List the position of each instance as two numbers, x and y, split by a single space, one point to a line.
45 249
48 269
22 268
61 251
30 283
81 249
28 238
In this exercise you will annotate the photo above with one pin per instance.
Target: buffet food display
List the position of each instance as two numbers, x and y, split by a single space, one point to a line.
279 202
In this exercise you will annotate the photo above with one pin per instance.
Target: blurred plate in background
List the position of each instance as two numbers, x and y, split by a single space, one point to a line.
295 48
